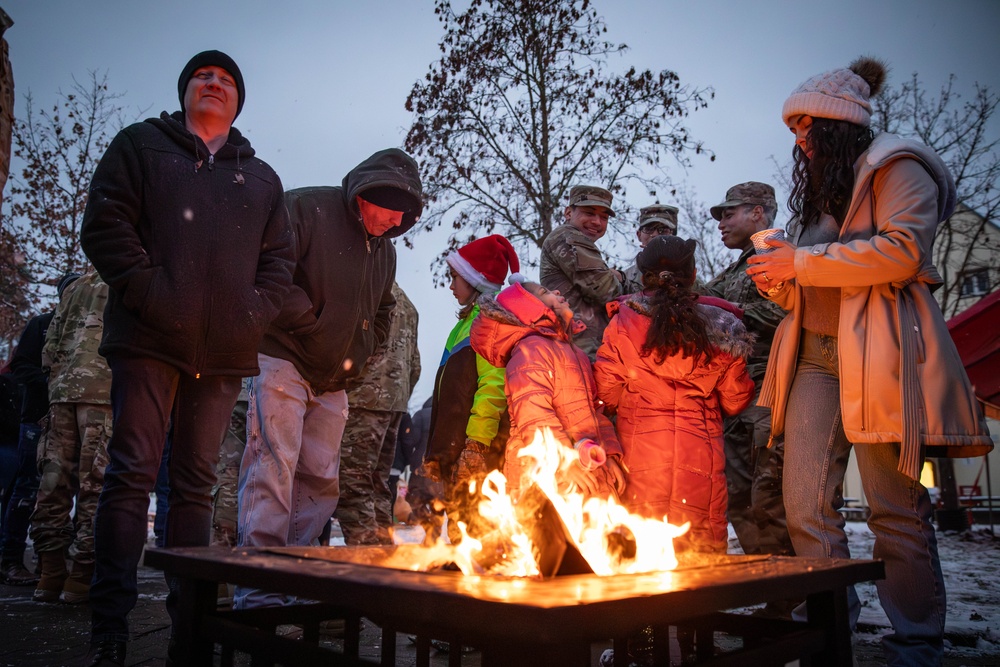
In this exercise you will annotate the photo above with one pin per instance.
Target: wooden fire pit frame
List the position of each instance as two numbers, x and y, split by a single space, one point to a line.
549 622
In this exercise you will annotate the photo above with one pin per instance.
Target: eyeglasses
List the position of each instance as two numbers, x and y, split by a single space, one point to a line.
655 229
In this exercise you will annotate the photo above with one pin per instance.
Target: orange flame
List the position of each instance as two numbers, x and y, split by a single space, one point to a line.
609 538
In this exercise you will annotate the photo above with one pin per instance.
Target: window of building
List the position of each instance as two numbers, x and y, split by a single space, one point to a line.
976 283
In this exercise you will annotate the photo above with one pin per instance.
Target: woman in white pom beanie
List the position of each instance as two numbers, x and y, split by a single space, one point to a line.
864 359
469 423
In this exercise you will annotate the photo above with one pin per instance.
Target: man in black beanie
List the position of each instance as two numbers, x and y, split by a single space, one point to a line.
190 232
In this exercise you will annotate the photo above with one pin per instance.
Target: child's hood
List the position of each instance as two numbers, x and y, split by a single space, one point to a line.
496 331
724 327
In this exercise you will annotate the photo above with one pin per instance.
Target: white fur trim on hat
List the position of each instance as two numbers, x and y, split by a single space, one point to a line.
475 278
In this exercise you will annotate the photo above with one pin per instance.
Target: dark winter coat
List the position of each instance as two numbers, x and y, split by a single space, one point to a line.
26 367
337 311
195 247
670 416
468 402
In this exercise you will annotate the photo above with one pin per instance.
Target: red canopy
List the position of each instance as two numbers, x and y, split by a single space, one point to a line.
976 332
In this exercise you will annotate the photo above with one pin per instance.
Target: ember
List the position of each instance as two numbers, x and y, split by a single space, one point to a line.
550 529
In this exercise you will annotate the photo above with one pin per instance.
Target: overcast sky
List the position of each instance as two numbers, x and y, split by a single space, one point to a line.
326 79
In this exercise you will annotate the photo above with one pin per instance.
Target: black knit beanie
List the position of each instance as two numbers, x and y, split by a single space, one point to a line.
207 59
65 282
669 253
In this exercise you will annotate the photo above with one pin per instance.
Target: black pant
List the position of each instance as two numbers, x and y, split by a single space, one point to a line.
146 395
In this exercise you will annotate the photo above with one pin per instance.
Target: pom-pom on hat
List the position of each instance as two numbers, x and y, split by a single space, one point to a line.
484 262
208 59
524 305
840 94
669 253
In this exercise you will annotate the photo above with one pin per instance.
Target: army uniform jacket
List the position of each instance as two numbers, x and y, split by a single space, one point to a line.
572 264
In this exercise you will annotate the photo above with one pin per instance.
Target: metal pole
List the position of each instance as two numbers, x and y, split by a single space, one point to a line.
989 493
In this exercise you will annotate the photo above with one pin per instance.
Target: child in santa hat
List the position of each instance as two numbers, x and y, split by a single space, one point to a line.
469 423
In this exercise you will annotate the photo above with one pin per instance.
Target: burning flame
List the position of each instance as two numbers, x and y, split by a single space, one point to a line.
607 536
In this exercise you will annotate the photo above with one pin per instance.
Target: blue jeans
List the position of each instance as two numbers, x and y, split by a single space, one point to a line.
289 478
816 454
20 505
145 395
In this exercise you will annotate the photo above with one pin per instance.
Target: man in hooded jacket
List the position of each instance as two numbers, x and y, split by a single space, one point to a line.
189 230
335 317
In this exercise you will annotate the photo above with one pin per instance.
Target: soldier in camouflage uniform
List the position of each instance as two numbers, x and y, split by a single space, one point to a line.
72 452
572 264
654 221
753 471
377 400
225 512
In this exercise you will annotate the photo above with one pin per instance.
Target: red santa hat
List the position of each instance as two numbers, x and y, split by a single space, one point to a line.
484 262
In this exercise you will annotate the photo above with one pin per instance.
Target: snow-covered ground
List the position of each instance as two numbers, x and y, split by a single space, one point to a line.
970 561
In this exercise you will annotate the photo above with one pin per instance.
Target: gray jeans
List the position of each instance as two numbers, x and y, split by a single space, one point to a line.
816 454
289 477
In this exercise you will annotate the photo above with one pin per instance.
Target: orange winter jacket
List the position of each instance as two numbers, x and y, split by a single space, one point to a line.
549 383
670 415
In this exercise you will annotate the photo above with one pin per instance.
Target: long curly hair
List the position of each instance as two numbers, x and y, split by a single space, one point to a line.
824 183
677 325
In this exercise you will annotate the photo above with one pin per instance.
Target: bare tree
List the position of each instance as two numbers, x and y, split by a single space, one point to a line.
521 107
964 134
59 150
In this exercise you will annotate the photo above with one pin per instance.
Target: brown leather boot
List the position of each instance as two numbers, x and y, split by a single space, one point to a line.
53 576
76 590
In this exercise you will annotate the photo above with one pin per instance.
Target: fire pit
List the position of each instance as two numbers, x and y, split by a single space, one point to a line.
512 620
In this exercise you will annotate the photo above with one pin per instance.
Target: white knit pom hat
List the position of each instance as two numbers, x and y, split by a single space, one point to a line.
840 94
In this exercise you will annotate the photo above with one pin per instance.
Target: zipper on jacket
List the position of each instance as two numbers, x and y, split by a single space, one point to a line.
357 297
211 161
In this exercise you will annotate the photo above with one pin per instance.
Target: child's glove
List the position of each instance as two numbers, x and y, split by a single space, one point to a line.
471 462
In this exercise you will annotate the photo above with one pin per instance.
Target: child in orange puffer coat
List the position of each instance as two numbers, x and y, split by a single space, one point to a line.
549 383
671 364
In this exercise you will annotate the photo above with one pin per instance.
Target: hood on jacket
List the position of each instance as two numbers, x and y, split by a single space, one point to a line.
496 331
887 147
391 179
237 146
725 330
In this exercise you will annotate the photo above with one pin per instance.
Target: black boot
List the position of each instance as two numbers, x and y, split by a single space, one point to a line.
108 653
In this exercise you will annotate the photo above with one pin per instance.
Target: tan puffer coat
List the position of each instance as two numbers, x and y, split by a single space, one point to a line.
901 377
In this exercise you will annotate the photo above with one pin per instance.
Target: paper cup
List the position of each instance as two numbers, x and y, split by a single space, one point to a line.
761 238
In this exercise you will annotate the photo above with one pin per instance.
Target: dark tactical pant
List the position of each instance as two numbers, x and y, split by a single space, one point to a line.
225 513
366 454
72 456
21 501
753 479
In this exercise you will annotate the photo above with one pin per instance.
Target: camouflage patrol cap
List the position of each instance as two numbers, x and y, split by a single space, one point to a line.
750 192
591 195
663 214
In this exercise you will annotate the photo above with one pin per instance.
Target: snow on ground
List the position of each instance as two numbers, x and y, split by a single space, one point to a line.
970 561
